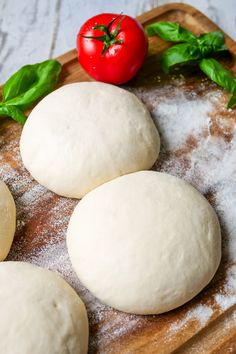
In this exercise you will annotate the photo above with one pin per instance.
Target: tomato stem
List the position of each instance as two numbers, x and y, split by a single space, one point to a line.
108 38
104 29
115 33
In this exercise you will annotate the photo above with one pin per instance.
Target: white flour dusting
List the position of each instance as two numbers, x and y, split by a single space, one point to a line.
228 299
179 117
201 313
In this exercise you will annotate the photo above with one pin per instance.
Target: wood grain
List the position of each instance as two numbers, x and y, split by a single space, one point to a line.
200 326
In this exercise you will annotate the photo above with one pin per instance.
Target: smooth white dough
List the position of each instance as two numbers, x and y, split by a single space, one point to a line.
40 312
7 220
85 134
144 243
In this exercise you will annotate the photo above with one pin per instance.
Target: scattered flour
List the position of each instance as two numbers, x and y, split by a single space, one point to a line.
214 160
31 196
228 299
179 117
201 313
225 301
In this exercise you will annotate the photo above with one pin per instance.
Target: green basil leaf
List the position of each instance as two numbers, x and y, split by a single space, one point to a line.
217 73
31 83
211 42
171 32
19 82
13 112
179 53
232 102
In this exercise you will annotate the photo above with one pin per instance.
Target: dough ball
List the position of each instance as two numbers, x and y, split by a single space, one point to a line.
85 134
40 312
144 243
7 220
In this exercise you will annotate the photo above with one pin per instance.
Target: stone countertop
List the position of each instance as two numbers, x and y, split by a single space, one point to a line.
34 30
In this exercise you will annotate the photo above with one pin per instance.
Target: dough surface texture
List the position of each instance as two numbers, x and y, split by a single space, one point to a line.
144 243
85 134
7 220
40 312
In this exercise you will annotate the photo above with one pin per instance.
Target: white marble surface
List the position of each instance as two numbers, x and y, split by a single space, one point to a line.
33 30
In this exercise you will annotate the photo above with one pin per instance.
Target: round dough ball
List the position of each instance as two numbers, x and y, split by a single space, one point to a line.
7 220
85 134
144 243
40 312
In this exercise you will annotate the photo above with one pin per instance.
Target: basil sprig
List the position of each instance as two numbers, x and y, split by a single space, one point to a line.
192 48
26 86
196 49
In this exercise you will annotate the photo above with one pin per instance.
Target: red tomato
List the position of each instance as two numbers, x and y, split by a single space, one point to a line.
112 48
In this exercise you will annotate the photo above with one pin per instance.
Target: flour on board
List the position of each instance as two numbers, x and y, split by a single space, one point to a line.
179 117
201 313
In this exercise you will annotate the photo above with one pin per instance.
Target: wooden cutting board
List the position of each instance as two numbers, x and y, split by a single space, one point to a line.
199 145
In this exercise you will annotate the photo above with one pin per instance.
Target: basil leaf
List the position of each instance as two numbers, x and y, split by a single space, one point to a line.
217 73
31 83
13 112
179 53
171 32
232 102
18 82
211 42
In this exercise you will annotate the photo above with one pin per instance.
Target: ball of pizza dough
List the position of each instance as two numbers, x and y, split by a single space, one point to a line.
144 243
7 220
40 312
85 134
